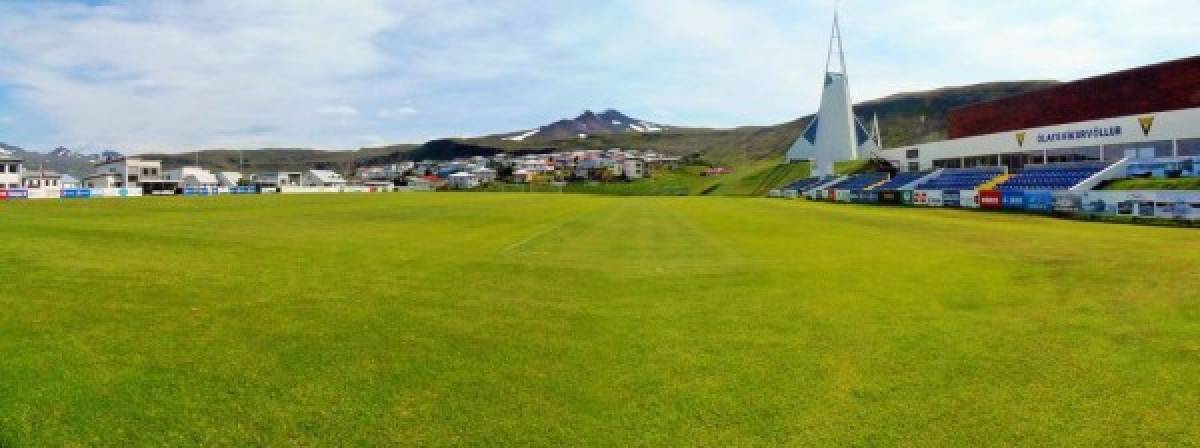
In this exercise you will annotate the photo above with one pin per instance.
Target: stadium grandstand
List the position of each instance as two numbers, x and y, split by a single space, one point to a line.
961 178
1053 150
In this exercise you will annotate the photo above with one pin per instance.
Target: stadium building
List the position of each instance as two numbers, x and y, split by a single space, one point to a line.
1143 113
1054 150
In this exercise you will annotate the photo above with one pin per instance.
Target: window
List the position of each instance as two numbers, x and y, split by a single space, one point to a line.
1189 147
914 166
133 179
947 163
1013 161
12 168
912 153
1144 150
988 160
146 171
1081 154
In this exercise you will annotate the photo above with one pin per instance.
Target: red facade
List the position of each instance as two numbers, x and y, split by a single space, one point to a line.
1155 88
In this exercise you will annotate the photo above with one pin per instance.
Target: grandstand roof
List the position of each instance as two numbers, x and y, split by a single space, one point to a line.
1171 85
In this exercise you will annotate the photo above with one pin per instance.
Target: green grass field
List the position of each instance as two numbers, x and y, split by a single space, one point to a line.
568 320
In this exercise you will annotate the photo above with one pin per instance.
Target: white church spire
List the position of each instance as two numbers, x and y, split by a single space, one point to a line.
834 134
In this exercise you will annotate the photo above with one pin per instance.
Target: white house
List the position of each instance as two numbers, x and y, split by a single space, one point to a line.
485 175
10 170
322 178
130 172
634 168
41 179
193 177
417 183
68 181
229 178
463 181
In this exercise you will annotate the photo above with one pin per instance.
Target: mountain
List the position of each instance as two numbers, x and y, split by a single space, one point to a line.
60 159
588 123
904 119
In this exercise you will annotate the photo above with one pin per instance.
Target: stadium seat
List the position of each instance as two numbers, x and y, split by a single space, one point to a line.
807 184
902 179
961 178
860 181
1059 176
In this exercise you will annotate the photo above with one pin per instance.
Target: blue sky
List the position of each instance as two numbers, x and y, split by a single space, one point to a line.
180 75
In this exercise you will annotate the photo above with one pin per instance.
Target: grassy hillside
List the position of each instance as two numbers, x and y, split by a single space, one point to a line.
904 118
566 320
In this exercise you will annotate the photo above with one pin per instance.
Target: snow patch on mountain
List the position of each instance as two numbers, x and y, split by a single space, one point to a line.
522 137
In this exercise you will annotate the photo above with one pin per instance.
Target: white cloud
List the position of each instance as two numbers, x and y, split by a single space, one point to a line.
396 112
182 75
339 111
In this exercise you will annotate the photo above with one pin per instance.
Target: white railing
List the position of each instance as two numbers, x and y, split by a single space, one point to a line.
1114 171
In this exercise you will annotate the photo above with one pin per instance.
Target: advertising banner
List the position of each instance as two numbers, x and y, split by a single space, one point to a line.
1039 201
3 195
843 196
906 197
1067 202
990 199
17 194
889 197
871 197
77 193
920 197
968 198
933 198
952 198
1013 200
1117 203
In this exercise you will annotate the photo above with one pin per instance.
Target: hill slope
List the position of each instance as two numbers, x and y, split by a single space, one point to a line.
905 118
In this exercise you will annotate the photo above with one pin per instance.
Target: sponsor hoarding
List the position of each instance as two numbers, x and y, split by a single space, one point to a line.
1039 201
1013 200
990 199
920 197
1067 202
952 198
843 196
933 198
889 197
968 198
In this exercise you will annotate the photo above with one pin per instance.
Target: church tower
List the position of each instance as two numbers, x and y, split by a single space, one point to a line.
834 134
